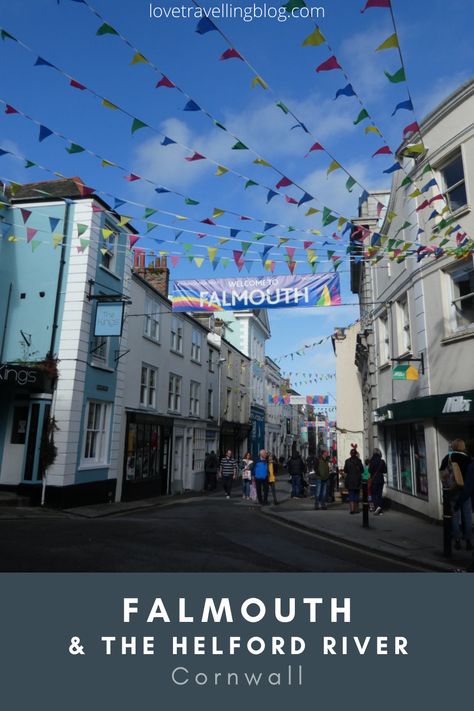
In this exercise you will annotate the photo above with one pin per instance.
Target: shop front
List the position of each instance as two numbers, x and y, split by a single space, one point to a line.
147 456
257 431
414 436
234 437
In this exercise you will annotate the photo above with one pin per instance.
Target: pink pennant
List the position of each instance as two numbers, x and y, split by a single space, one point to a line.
132 177
383 151
291 200
195 156
272 266
201 234
314 147
436 197
242 217
283 183
422 206
174 260
133 239
97 208
237 256
208 221
26 214
380 207
30 233
10 110
376 3
306 245
290 252
231 54
166 82
329 64
77 85
336 236
411 128
292 267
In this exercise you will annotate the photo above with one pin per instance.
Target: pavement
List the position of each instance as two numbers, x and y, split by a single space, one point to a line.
399 535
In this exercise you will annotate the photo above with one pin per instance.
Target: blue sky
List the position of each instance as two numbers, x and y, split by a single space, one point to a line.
436 41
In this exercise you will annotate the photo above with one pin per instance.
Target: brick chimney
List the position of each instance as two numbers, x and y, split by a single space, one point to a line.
156 273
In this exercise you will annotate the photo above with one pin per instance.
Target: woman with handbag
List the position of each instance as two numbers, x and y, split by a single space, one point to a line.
377 469
247 476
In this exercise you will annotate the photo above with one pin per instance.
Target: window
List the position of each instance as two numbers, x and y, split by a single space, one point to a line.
194 394
211 360
228 403
404 338
174 393
199 447
452 174
243 370
99 349
109 248
148 386
210 404
196 346
462 292
176 335
96 434
229 365
384 348
406 461
152 322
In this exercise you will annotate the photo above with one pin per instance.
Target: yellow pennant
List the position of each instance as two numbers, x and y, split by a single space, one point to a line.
415 193
109 104
181 217
12 238
57 240
260 82
372 129
139 58
106 233
341 223
221 170
223 240
124 220
391 216
334 166
212 251
217 213
315 232
104 251
311 211
107 163
199 261
260 161
315 39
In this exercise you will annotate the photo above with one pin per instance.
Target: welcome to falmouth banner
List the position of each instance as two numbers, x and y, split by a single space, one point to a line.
266 292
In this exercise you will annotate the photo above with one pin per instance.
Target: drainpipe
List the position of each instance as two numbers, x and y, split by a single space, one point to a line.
7 311
67 214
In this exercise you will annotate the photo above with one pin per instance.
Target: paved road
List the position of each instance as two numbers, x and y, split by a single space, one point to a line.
204 534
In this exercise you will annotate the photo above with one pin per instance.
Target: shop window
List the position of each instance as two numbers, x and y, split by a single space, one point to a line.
406 460
454 186
419 457
143 451
96 433
462 296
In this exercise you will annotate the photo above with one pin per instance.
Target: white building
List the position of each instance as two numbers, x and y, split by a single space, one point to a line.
275 423
419 311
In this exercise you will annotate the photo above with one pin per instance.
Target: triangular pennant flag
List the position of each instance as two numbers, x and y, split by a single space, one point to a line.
311 211
137 124
306 198
30 233
76 85
328 65
75 148
333 166
239 146
132 178
282 106
225 262
260 82
283 183
376 3
106 163
393 168
149 211
44 132
191 106
221 170
403 105
396 78
106 233
383 151
372 129
414 150
106 29
217 213
315 39
109 105
250 183
124 220
133 239
139 59
205 25
53 223
315 147
269 226
10 110
35 244
26 214
260 161
411 128
231 54
363 115
199 261
271 194
29 164
84 244
164 81
150 226
282 240
81 229
195 156
390 43
327 217
40 62
350 183
348 90
212 251
6 35
57 240
174 260
258 236
307 245
245 247
167 141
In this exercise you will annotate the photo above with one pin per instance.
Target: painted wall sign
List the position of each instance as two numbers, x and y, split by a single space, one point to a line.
108 318
457 404
18 375
266 292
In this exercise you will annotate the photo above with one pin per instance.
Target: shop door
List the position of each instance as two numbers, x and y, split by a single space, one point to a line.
33 469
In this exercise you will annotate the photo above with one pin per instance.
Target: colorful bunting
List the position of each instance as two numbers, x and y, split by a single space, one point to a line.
333 166
396 78
363 115
376 3
346 91
191 106
258 80
315 39
390 43
407 105
383 151
195 156
106 29
328 65
137 124
231 54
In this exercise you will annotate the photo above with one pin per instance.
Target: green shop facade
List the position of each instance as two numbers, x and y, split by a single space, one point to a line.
415 436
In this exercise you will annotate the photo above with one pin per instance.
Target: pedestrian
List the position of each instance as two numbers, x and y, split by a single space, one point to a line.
296 469
322 478
461 510
228 472
312 465
377 469
260 473
247 476
467 492
353 469
272 472
211 465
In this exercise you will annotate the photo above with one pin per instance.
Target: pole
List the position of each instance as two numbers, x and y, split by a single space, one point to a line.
447 522
365 505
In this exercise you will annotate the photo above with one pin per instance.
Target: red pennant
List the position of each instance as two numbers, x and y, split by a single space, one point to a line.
237 255
77 85
231 54
336 236
314 147
166 82
384 151
242 217
30 233
195 156
283 183
376 3
411 128
290 252
291 200
201 234
133 239
424 204
208 221
174 260
10 110
436 197
329 64
307 245
132 177
96 208
291 267
25 214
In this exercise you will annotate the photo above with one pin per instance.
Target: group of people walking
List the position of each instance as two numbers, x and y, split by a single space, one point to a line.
258 478
373 472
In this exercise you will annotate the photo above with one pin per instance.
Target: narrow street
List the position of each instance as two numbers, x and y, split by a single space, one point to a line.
199 535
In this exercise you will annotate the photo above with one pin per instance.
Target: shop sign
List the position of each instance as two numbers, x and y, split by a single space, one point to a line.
109 318
405 372
457 403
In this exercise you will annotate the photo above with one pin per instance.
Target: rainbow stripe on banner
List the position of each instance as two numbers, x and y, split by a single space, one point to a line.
266 292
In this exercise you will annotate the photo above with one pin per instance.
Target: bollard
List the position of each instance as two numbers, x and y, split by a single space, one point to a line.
365 505
447 523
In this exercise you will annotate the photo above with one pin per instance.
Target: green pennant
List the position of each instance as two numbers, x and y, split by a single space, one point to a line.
282 106
327 217
137 124
225 261
220 125
245 247
396 78
282 240
149 211
427 169
249 183
294 5
75 148
405 181
29 164
259 236
6 35
84 244
81 229
187 247
363 115
291 229
35 243
150 226
239 146
390 244
350 183
190 201
106 29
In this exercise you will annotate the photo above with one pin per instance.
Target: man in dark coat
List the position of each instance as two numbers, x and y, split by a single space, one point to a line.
377 469
296 469
353 469
211 465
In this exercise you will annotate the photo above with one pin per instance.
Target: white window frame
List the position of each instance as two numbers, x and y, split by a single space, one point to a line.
111 253
228 404
100 356
177 335
384 338
96 436
151 321
194 398
174 392
148 386
196 345
455 299
447 190
211 360
404 327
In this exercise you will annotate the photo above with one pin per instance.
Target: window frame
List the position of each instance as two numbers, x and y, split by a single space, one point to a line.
111 253
194 398
146 387
404 325
102 435
454 312
174 392
449 189
96 359
384 338
196 345
177 335
151 319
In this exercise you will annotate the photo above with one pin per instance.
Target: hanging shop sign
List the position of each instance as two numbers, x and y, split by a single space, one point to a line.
109 318
405 372
266 292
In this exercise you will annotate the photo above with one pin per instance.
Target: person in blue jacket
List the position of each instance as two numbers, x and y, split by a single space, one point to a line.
260 473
